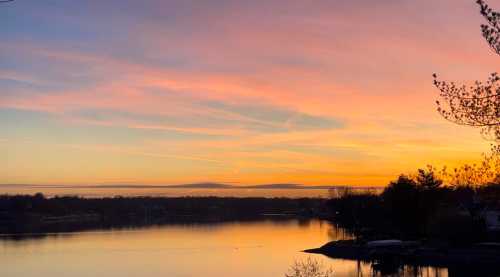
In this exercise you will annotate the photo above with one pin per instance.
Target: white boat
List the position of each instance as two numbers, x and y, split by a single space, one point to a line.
384 243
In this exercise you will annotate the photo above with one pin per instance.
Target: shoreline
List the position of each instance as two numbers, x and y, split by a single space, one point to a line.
37 214
413 253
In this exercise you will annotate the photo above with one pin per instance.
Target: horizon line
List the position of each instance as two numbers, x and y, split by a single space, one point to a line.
207 185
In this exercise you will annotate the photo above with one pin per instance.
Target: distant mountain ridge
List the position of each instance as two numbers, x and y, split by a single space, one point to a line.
287 186
205 185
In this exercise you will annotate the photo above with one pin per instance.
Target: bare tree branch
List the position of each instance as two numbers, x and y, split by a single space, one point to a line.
477 105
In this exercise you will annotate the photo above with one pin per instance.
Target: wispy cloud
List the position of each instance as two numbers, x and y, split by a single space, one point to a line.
307 92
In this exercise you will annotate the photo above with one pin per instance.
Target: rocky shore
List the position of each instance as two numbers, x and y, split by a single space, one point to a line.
412 252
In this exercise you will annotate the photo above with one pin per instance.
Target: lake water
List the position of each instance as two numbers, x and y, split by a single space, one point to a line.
256 249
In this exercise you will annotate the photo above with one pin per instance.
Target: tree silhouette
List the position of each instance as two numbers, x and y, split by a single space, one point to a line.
428 179
491 31
477 105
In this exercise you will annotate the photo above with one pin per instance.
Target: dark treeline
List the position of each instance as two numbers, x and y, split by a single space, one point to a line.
36 213
420 207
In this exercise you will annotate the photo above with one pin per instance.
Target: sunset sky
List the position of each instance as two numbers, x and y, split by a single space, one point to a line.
169 92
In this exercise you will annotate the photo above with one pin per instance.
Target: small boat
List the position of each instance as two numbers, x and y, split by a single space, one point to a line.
385 243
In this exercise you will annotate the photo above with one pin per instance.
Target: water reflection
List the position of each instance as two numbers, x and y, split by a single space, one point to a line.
311 267
259 248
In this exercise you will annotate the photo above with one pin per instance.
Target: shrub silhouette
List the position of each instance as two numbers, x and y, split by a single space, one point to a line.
309 268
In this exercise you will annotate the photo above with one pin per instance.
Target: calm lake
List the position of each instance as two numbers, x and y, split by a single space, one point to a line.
256 249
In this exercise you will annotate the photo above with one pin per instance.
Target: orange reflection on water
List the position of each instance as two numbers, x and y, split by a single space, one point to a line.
264 248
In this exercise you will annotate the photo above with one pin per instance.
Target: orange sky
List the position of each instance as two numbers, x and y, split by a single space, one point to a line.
167 92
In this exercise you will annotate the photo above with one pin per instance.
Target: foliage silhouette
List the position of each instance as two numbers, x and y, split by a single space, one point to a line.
309 268
37 213
477 105
421 205
471 175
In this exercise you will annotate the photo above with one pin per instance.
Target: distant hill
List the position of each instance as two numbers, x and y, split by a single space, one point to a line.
264 186
207 185
286 186
202 186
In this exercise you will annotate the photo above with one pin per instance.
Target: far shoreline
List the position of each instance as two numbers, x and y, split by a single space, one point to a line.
188 190
39 214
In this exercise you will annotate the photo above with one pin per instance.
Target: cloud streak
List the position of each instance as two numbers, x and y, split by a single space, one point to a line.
313 93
